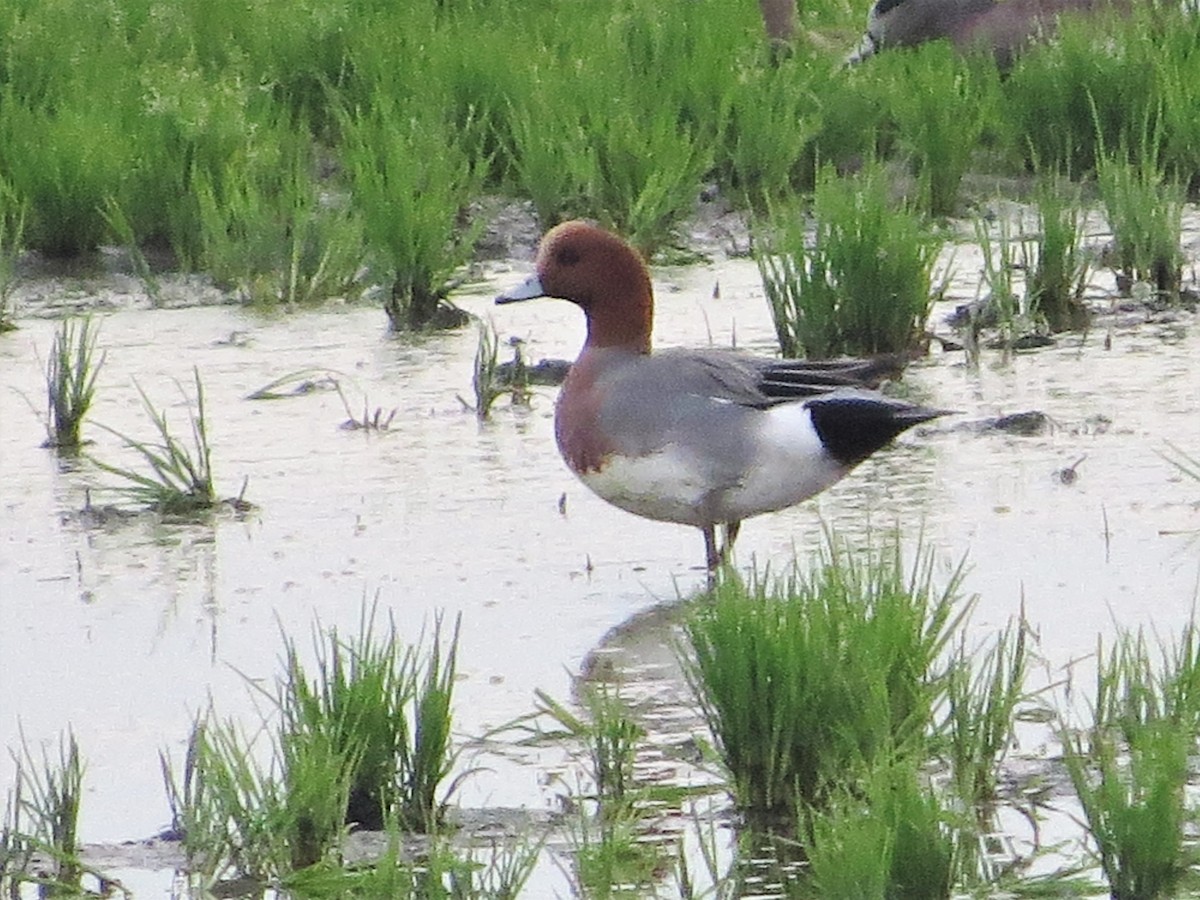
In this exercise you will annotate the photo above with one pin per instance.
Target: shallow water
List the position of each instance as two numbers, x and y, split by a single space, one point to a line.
123 631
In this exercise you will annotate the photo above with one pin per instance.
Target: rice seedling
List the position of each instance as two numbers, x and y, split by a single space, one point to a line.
1180 98
552 161
369 421
803 678
1144 211
439 871
12 241
1089 89
774 116
490 380
65 168
886 835
862 285
612 859
180 480
942 105
1056 266
1134 806
44 818
585 150
610 740
365 743
614 849
389 711
71 372
483 379
410 180
16 849
981 701
242 814
122 228
1130 768
269 233
856 123
1001 306
299 383
191 128
1133 691
649 169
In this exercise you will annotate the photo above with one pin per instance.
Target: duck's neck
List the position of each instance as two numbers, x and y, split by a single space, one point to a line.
623 316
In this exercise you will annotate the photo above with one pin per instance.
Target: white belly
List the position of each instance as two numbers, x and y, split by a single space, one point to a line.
785 463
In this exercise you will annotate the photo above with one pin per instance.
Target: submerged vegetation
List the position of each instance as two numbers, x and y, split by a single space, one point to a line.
296 152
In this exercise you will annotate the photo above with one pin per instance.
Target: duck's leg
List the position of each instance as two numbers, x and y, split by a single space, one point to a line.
731 533
712 558
715 557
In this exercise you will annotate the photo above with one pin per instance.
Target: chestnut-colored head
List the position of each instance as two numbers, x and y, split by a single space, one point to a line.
603 275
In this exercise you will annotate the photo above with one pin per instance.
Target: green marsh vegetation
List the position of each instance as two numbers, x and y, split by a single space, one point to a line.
1055 262
806 676
612 827
288 148
490 379
269 234
863 284
12 243
849 714
1144 209
1001 306
1131 765
362 741
179 480
893 787
71 371
1031 281
942 105
412 179
854 723
39 843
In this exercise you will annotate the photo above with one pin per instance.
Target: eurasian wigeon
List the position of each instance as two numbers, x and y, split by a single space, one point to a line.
1002 27
698 437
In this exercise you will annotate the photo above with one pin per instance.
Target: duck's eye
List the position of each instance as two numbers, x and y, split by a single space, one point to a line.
566 256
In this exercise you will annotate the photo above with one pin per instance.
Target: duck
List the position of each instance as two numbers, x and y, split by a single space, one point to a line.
1001 27
699 437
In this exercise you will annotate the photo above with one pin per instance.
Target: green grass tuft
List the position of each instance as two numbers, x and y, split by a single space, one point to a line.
42 819
887 836
412 180
364 742
1057 266
804 678
983 692
1145 211
942 104
1130 768
71 373
180 480
863 284
12 243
